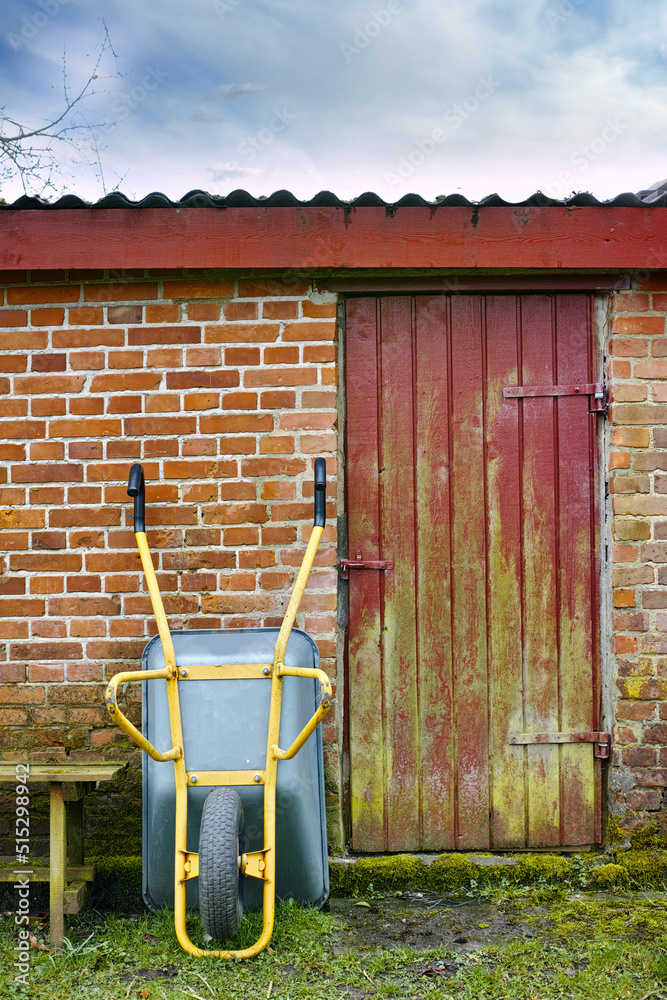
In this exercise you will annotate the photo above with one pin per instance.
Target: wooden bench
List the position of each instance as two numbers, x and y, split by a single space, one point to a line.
66 873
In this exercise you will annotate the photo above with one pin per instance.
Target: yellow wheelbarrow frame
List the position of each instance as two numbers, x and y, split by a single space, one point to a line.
256 864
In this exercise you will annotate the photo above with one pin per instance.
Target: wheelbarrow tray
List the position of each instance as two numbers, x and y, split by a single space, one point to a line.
225 727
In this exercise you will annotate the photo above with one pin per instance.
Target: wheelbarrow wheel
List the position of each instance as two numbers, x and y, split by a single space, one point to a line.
220 876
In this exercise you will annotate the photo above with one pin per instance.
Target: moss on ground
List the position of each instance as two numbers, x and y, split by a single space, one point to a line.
379 876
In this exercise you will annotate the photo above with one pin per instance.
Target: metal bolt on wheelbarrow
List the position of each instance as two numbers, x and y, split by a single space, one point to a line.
222 863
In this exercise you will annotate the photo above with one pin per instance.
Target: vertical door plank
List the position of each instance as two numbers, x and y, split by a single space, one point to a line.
577 539
397 511
433 574
540 578
504 572
469 572
366 708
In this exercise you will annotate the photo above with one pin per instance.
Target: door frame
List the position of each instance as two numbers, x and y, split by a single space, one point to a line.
600 287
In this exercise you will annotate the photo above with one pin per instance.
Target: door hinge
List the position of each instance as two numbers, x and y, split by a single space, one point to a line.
358 563
595 390
601 741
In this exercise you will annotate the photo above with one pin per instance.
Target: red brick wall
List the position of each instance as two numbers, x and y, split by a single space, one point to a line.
638 490
225 390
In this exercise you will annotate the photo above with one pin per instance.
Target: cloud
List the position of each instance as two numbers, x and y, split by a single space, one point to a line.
228 91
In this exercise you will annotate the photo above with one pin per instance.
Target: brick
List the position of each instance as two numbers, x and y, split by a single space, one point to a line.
41 406
87 428
629 393
241 536
47 317
13 717
654 599
625 644
315 398
57 473
316 444
165 357
24 340
660 484
319 353
278 491
202 380
13 363
125 315
256 378
285 284
38 294
13 317
304 330
242 356
659 300
163 313
49 450
281 355
48 362
161 425
654 644
231 513
655 777
87 360
636 711
656 733
203 311
13 694
649 461
636 621
639 756
651 369
620 347
197 289
658 347
51 384
256 559
278 400
660 530
278 534
641 506
85 315
121 292
644 799
237 333
654 552
235 424
129 382
145 335
199 470
162 403
632 437
639 413
639 324
124 404
630 302
276 445
85 449
105 337
226 604
272 467
642 688
237 310
46 562
318 310
45 651
21 519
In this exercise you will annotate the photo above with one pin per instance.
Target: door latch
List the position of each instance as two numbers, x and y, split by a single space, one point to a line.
358 563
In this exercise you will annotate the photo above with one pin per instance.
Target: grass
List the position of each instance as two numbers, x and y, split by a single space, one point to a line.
614 948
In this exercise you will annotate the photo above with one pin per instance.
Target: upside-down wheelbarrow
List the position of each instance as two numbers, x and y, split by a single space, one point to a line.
216 661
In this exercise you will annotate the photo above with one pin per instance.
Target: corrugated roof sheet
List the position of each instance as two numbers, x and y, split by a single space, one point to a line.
656 197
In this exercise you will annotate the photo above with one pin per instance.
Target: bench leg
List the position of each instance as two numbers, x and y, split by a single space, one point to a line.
58 831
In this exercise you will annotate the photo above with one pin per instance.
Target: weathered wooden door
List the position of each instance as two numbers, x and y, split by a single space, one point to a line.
486 627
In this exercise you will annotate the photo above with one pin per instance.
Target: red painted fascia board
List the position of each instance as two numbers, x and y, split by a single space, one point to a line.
312 238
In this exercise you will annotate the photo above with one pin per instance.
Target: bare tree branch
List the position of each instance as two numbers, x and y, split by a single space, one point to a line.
34 154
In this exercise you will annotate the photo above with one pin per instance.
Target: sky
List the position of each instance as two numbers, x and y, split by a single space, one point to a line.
434 97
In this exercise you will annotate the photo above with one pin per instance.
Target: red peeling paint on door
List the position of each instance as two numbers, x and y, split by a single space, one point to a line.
487 624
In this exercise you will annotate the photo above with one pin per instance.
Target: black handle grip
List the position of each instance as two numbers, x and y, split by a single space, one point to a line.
320 492
136 487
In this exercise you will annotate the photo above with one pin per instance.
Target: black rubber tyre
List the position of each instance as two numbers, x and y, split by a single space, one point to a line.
220 878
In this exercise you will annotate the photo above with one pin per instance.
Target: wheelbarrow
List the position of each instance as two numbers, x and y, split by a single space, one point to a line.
226 657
